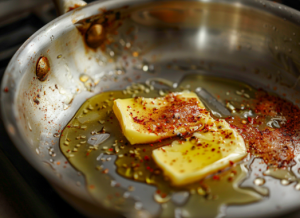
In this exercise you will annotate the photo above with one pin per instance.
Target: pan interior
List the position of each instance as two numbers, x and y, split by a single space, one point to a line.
120 45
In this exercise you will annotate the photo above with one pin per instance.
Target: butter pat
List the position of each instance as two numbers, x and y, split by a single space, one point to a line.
148 120
208 151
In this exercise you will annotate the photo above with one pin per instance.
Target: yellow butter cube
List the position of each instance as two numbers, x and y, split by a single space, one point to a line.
205 153
148 120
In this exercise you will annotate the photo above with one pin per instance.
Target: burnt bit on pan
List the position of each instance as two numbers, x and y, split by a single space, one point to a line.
71 8
42 68
97 30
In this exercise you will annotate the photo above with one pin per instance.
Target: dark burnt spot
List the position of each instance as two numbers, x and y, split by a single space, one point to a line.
118 15
36 100
95 36
42 68
97 29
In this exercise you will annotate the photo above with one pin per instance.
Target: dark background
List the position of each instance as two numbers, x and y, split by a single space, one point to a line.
23 191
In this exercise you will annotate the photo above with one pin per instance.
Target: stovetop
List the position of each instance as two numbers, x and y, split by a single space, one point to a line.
23 191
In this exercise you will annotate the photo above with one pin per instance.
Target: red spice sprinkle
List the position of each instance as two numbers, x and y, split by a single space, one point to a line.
216 177
5 89
276 146
249 119
231 163
110 149
146 158
232 126
178 111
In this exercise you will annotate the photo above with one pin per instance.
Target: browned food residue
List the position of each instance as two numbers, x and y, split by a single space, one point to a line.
73 7
97 30
42 68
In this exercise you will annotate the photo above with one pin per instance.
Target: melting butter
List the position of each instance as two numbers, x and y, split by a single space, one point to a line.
135 163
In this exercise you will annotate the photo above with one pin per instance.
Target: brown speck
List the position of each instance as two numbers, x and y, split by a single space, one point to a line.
130 188
36 100
105 171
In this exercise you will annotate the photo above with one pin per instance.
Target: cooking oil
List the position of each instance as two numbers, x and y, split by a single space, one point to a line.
94 133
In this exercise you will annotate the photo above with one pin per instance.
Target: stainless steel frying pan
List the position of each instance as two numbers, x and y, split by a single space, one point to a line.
253 41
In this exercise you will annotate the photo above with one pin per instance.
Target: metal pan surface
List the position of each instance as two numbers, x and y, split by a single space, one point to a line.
255 42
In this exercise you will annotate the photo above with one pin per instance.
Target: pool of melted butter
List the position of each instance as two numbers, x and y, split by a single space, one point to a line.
134 162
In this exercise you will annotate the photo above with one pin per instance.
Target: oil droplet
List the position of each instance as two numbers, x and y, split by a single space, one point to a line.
282 174
145 68
285 182
259 181
42 68
112 53
297 186
161 198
